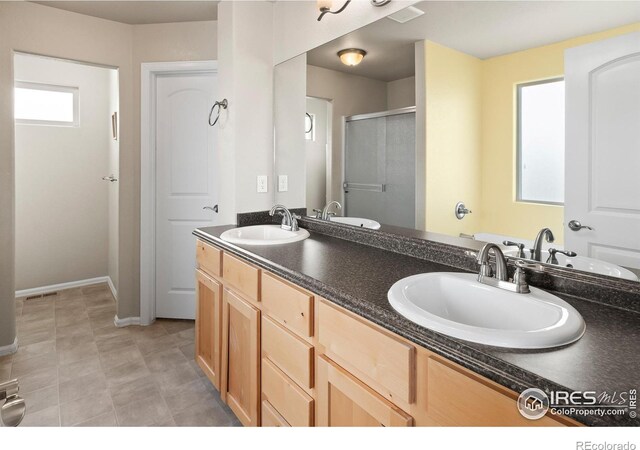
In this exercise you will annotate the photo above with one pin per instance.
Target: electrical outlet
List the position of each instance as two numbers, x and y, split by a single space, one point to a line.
283 183
262 183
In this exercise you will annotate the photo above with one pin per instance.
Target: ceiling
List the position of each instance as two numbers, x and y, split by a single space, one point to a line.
142 12
480 28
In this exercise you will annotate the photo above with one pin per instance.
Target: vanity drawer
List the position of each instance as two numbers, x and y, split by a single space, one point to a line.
290 353
209 258
457 397
242 276
291 402
271 417
288 305
377 358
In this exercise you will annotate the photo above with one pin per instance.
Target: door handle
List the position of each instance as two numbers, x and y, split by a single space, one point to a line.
213 208
110 178
575 225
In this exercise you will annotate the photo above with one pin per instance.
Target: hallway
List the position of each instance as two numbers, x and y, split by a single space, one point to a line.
77 369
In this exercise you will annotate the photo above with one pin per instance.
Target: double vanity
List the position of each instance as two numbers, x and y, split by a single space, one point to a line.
324 324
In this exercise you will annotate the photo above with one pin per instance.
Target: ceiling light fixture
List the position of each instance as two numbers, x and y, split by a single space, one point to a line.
351 56
325 6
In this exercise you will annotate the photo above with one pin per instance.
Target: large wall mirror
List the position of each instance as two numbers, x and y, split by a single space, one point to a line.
509 122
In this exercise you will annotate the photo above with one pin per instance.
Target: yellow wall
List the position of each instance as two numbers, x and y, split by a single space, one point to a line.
501 213
491 191
453 136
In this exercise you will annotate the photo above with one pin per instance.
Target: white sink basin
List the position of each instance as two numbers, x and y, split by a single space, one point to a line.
357 222
457 305
586 264
263 235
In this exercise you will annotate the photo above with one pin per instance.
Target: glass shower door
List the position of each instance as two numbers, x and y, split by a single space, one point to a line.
379 180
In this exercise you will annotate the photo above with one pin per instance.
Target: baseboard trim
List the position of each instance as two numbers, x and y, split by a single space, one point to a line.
114 291
61 286
125 322
9 349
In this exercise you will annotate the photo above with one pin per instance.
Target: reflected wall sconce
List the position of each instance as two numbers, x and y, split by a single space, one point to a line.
351 56
325 6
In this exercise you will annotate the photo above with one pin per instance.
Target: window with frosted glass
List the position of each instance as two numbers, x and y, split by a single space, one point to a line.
541 142
43 104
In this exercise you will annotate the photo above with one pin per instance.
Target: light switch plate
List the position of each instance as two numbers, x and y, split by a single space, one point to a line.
283 183
262 183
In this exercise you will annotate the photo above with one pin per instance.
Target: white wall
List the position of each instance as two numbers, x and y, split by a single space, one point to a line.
290 87
245 136
61 202
401 93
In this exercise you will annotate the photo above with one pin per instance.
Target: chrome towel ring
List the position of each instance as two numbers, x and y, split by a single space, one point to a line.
221 105
310 123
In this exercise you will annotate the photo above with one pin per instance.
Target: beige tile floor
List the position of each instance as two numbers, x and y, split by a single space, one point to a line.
76 368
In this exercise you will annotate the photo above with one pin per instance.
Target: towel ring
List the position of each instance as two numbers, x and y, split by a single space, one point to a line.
310 123
221 105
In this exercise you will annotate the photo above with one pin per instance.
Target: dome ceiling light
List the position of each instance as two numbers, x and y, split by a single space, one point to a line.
351 56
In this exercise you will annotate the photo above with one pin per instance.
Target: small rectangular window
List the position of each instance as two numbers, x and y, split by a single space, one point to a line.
540 177
44 104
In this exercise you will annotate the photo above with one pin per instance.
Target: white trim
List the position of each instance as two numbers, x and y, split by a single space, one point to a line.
127 321
113 289
9 349
62 286
149 74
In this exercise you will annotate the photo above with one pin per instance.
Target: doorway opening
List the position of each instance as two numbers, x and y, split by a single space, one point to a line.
66 174
318 135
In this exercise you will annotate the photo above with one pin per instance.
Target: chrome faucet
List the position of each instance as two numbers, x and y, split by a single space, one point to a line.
485 267
325 214
289 220
501 279
13 409
536 251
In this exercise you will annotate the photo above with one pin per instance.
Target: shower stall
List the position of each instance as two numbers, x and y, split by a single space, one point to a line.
380 167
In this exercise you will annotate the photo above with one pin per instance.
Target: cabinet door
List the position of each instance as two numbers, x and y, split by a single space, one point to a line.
344 401
208 326
241 358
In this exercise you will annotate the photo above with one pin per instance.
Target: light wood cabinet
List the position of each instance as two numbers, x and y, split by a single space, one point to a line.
208 326
282 356
290 353
380 359
209 258
345 401
240 387
291 402
243 277
271 417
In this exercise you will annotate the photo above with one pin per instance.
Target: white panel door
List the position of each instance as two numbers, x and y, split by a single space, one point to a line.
602 170
185 184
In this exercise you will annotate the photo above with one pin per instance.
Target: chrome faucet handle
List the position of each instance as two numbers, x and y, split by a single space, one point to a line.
552 255
294 222
318 213
515 244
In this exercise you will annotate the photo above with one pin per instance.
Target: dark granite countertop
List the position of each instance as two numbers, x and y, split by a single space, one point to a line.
357 277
